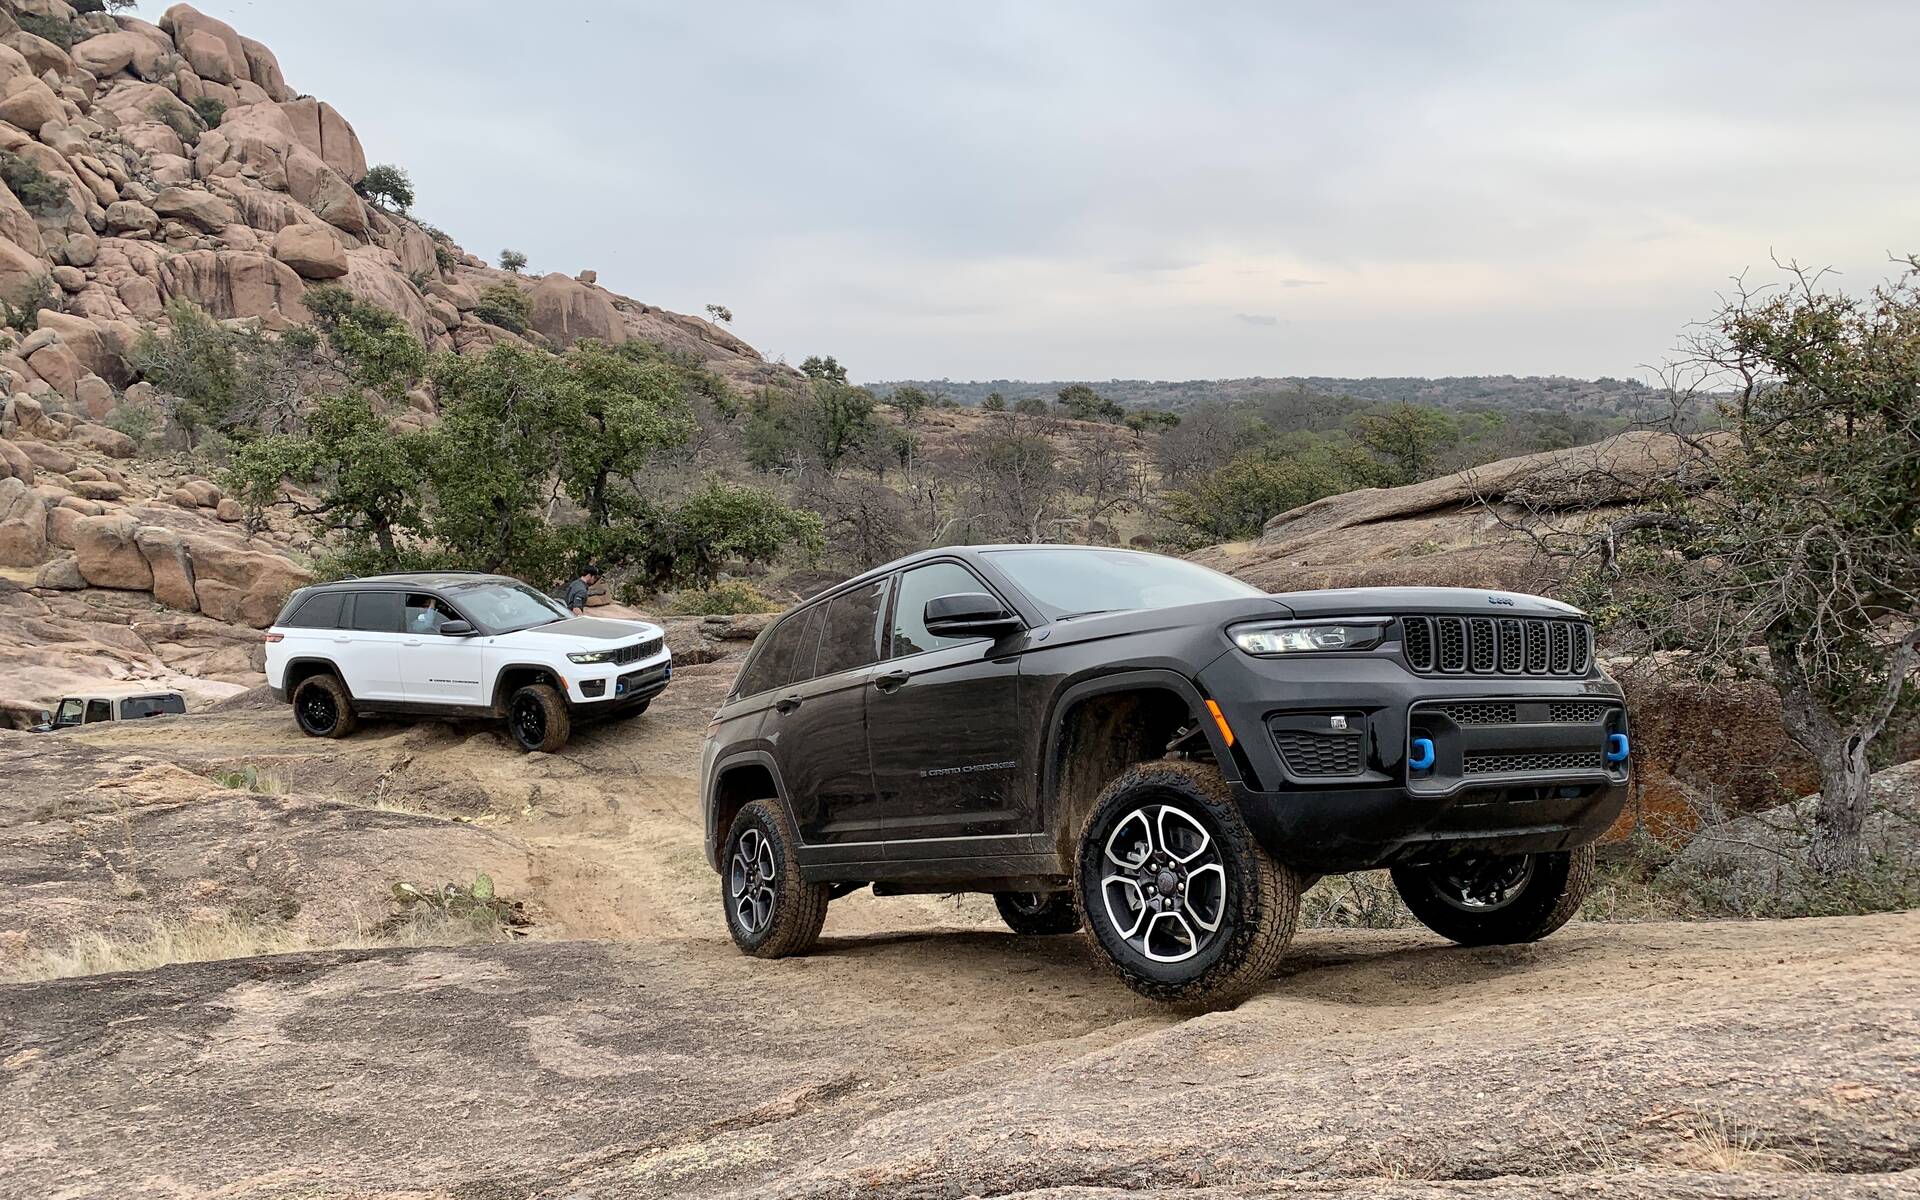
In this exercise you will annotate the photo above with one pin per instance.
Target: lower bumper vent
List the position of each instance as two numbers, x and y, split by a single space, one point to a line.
1510 764
1321 755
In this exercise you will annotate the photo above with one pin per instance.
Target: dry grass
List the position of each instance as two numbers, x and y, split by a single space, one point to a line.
1363 900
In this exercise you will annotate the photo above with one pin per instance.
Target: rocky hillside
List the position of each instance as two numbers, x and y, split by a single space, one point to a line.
142 164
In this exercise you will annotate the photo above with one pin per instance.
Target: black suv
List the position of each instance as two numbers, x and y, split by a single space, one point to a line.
1161 750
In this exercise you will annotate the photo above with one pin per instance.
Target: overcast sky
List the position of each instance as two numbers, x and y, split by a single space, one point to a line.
1111 189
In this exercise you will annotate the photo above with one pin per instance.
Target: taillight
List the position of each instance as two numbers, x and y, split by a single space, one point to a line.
273 637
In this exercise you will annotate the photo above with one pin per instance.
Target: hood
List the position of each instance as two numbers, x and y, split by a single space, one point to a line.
574 631
1142 620
1475 602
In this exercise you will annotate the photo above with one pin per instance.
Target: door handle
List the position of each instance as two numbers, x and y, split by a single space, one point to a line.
786 704
409 643
892 681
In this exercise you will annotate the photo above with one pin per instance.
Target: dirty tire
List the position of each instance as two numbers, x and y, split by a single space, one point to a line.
537 718
1253 900
322 708
1038 913
1551 895
771 912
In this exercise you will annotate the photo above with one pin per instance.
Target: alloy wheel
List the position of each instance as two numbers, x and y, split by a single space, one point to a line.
317 710
1165 886
529 720
750 880
1483 885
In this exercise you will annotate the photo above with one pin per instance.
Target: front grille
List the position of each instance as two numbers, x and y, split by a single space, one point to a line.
1513 764
1489 646
637 651
1318 754
1477 712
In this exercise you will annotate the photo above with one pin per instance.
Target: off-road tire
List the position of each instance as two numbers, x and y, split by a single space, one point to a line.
798 908
314 695
1261 897
551 725
1548 900
1038 914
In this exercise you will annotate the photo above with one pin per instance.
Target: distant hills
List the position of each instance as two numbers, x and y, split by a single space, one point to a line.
1540 393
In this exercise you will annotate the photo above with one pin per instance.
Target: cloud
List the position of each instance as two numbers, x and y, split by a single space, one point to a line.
968 192
1256 319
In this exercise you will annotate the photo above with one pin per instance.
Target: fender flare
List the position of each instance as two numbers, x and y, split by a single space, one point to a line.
498 701
1143 679
710 808
314 660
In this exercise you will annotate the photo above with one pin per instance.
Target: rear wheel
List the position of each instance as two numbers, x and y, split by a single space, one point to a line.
537 718
771 911
322 708
1492 900
1183 902
1038 913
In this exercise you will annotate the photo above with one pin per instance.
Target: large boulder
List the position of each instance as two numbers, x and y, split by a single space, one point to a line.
232 283
23 525
191 28
30 105
203 210
100 349
109 554
17 224
15 462
110 53
264 70
318 186
21 272
324 131
209 57
172 567
238 584
566 310
313 251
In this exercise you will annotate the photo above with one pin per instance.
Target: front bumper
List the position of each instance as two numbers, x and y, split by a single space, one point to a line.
1329 778
611 688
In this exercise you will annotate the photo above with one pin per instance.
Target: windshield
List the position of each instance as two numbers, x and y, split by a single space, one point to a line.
506 607
1071 583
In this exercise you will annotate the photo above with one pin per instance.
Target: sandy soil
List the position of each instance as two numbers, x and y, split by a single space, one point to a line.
627 1050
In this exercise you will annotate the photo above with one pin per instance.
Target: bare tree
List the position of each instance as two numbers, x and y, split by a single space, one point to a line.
1014 478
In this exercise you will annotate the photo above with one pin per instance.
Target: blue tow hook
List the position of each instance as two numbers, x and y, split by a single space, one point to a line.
1422 759
1616 747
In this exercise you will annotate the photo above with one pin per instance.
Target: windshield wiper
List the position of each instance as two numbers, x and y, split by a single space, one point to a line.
1091 612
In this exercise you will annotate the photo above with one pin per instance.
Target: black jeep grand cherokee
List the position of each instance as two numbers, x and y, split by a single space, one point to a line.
1161 750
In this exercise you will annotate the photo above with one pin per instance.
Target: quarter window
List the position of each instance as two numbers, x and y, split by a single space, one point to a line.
918 586
136 707
789 642
319 612
847 641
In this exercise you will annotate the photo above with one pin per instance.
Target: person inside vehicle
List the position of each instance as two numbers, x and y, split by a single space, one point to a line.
424 615
578 589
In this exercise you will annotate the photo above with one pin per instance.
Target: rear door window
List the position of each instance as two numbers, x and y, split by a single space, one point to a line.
848 639
318 612
377 612
99 710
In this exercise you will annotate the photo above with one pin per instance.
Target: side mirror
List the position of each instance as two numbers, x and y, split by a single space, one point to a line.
457 629
968 614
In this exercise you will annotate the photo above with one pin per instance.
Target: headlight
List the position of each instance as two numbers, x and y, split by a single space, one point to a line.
1309 637
591 656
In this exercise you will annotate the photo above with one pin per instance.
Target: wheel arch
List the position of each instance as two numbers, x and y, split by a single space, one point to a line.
739 780
299 670
1101 726
514 676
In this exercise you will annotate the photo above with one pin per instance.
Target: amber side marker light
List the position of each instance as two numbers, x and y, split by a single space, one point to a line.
1220 719
273 637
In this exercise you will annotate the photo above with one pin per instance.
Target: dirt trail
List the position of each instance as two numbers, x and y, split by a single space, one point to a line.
923 1050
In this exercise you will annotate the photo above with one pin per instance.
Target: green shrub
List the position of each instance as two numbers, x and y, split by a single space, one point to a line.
389 185
454 912
717 600
22 312
187 127
133 420
40 192
60 32
505 306
210 109
445 256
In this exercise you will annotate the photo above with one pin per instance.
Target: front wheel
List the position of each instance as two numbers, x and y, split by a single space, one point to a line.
771 911
1038 913
1179 897
1496 900
537 718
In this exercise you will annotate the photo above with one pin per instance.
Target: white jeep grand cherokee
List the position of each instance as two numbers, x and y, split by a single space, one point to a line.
455 644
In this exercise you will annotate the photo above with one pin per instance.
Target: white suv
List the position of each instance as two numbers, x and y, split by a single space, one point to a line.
454 644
